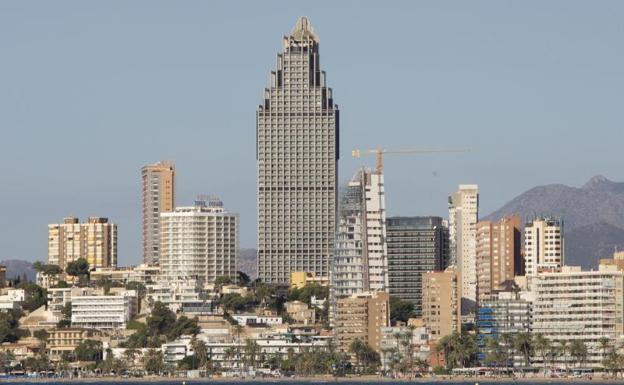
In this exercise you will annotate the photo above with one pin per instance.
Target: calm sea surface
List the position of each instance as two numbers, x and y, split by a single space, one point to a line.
310 382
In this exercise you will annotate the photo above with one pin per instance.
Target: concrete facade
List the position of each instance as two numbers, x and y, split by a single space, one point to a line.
297 159
94 240
158 181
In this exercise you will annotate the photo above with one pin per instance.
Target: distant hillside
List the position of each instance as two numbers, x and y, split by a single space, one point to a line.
247 263
599 200
593 216
16 267
584 246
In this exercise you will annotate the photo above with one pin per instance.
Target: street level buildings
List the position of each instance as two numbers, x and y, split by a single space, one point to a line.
199 242
416 245
543 245
441 303
297 159
361 316
158 180
580 305
360 263
463 217
498 254
94 240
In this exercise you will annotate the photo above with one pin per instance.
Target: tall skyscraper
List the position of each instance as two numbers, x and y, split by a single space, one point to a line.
199 242
95 241
158 197
543 245
463 217
498 254
297 159
360 263
416 245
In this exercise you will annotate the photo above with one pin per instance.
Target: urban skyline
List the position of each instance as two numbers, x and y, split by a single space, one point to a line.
527 72
343 286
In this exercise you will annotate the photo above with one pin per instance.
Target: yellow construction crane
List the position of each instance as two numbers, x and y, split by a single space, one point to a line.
379 153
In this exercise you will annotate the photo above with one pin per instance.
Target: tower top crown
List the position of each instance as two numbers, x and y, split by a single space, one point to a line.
303 30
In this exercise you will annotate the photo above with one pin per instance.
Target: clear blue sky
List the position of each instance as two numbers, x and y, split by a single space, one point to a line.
90 91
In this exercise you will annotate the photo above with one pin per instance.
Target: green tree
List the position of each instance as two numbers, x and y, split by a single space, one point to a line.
161 319
9 326
400 310
36 296
200 354
154 361
563 349
6 360
47 269
89 350
605 343
78 268
578 350
243 279
41 335
222 280
365 355
460 350
183 326
542 346
523 343
138 286
251 352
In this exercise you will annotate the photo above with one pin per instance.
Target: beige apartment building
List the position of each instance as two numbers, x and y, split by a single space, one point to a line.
361 316
67 340
463 216
441 304
158 181
498 254
94 240
543 246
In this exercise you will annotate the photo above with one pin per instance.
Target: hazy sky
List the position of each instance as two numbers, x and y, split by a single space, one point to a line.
90 91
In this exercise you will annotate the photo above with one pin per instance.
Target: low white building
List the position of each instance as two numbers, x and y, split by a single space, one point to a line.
396 340
181 296
104 311
58 298
12 299
256 320
579 305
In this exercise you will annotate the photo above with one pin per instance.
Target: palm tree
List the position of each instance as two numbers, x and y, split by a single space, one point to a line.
507 340
605 343
523 343
563 352
542 345
578 350
252 349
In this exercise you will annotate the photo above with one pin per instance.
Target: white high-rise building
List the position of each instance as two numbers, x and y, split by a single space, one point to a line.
360 263
543 245
579 305
463 218
297 159
199 242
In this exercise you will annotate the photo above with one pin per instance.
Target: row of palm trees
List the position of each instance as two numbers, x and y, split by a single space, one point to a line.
460 350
